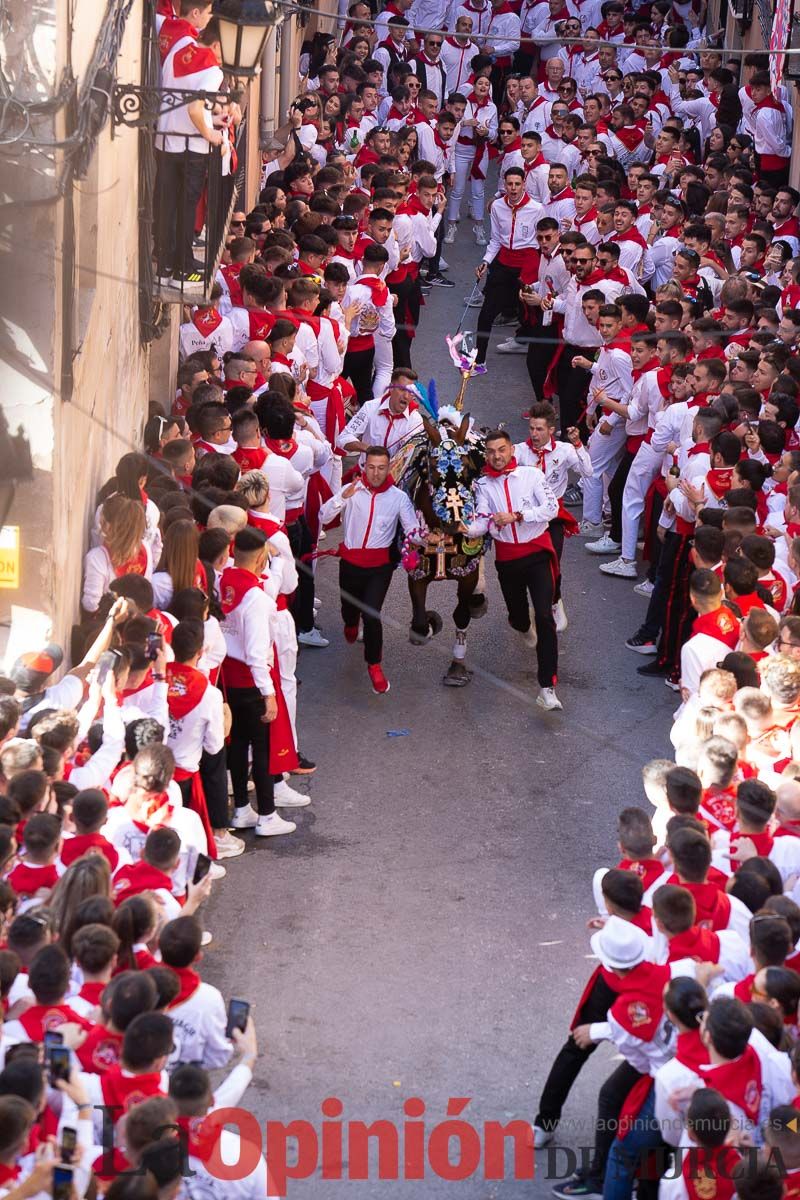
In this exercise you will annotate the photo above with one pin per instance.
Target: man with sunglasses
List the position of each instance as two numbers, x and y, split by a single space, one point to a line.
429 68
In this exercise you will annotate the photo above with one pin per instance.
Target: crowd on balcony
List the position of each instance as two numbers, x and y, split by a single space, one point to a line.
641 249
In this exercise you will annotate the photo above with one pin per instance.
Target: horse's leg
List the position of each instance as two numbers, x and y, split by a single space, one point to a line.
478 604
425 623
457 674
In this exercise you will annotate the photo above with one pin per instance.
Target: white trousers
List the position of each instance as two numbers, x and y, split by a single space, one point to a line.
644 468
605 451
286 650
464 158
384 362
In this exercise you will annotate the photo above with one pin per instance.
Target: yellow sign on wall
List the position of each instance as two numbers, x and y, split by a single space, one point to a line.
9 556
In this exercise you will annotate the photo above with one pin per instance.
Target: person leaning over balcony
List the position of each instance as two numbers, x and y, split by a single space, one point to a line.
183 141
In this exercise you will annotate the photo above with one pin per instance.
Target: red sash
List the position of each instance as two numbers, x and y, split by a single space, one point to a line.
282 750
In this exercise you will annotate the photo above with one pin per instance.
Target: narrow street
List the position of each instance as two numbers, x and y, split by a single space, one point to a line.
423 932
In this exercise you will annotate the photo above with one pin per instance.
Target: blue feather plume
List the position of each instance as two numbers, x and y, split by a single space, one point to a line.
433 400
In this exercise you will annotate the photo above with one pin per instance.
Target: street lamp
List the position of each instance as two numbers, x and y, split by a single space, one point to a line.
244 26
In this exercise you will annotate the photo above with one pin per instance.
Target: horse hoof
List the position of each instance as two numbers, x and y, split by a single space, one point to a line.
419 639
457 675
478 605
434 623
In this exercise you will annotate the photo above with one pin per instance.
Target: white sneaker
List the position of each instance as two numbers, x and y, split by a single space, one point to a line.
273 825
228 846
590 529
475 300
313 637
512 346
443 264
529 637
452 230
541 1137
645 588
244 817
606 545
480 235
621 567
548 699
286 797
206 938
317 604
560 616
217 871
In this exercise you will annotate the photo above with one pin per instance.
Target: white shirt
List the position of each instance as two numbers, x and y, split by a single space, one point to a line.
202 728
558 460
370 518
176 132
199 1029
375 424
513 227
248 636
524 490
99 572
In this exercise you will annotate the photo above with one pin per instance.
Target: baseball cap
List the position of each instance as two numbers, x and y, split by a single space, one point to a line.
32 670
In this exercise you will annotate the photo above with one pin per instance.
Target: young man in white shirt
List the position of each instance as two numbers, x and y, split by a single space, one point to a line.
515 504
371 508
512 248
248 628
555 460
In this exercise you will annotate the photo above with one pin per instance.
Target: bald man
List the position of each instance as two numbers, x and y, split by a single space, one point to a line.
262 357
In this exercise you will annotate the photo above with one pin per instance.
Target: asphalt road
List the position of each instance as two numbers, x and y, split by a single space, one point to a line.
422 934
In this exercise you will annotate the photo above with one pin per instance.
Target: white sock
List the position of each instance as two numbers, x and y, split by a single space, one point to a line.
460 647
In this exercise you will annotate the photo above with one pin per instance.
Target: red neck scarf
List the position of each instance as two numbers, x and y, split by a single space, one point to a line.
720 624
206 320
705 1168
186 687
383 487
137 878
720 480
739 1081
234 585
696 943
189 980
510 466
286 449
541 453
123 1091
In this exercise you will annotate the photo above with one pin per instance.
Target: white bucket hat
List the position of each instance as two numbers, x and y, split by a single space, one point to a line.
620 945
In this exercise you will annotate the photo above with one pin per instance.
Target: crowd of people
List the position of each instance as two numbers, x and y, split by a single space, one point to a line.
642 250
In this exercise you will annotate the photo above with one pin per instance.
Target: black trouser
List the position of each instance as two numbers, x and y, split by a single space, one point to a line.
408 301
615 490
556 528
179 185
532 576
776 179
302 544
432 264
214 774
249 733
500 295
357 367
541 348
654 617
679 616
610 1099
363 591
573 388
569 1061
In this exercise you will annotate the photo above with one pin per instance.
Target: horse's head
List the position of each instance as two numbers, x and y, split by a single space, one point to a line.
452 469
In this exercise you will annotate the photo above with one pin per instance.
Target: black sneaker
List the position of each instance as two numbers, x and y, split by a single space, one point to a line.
577 1186
640 643
573 496
652 668
190 280
440 280
304 766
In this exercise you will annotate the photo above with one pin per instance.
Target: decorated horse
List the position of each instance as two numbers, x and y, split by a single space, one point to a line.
437 470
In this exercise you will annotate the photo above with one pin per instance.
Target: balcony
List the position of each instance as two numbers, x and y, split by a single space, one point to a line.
187 190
